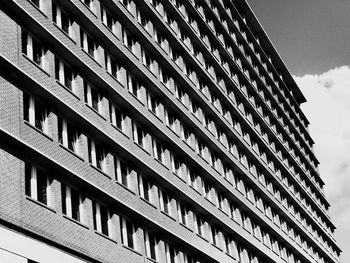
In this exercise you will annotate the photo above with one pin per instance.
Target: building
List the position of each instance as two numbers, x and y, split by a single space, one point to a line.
153 131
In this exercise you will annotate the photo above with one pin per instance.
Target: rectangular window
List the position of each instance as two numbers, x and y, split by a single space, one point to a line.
87 43
97 155
64 74
72 203
182 212
151 246
38 185
199 225
108 20
35 113
102 218
138 134
147 60
145 187
116 116
170 120
128 40
170 253
33 49
158 150
68 135
128 230
133 85
175 164
164 201
111 65
152 103
92 97
144 21
61 18
122 171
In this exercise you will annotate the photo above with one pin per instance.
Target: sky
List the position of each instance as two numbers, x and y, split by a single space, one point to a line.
313 39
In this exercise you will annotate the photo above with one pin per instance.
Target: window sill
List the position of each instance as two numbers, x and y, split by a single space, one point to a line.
36 65
138 99
41 204
67 89
125 187
197 191
98 113
172 218
151 259
105 236
132 250
173 131
141 147
72 152
131 51
187 227
120 131
37 8
91 11
148 202
38 130
91 57
149 69
160 162
155 115
99 170
126 8
64 32
202 237
168 88
202 158
217 247
110 30
114 77
76 221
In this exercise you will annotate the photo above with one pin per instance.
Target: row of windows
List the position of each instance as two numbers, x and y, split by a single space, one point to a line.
255 50
39 187
219 35
64 74
68 81
220 81
182 97
71 138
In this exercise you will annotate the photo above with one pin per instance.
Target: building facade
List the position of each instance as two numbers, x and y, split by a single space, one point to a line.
153 131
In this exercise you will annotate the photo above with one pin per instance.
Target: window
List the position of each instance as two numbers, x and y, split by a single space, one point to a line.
64 74
87 43
151 245
116 116
175 164
61 18
102 218
138 134
145 187
170 253
72 203
164 201
128 231
143 20
133 85
170 120
68 135
92 97
128 41
158 150
111 65
35 113
199 225
108 20
33 49
213 235
97 155
152 103
182 213
147 60
122 171
89 4
37 3
38 185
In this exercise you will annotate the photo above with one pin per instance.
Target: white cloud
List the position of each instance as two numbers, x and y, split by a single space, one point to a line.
328 110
